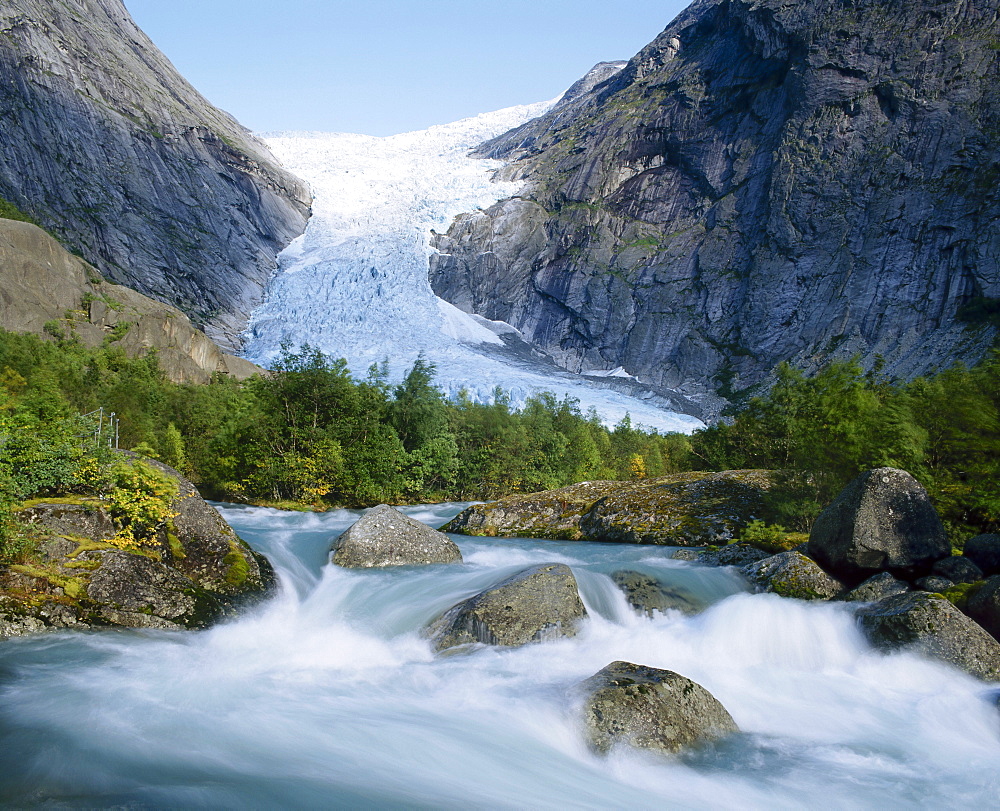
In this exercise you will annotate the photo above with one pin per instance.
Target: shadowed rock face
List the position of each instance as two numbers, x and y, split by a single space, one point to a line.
110 149
534 605
766 181
649 708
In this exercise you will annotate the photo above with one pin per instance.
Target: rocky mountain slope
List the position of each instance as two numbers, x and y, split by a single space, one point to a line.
766 181
44 288
111 150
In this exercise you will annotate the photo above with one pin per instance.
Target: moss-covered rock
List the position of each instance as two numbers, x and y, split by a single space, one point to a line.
933 626
792 574
650 708
191 571
683 509
534 605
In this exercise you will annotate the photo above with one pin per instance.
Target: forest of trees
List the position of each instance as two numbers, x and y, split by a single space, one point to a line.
310 434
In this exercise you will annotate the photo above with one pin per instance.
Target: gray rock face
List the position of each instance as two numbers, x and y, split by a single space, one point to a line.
384 536
882 521
875 588
111 150
933 583
792 574
984 606
932 625
984 551
647 594
958 569
534 605
765 181
649 708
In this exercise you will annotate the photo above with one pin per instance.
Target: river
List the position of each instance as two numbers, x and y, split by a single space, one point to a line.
328 696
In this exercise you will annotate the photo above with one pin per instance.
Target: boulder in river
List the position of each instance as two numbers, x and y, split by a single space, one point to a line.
734 554
792 574
933 626
882 521
650 708
647 594
191 572
875 588
983 605
958 569
384 536
682 509
536 604
984 551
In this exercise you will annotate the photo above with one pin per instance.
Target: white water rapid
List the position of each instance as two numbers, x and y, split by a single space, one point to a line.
355 284
327 696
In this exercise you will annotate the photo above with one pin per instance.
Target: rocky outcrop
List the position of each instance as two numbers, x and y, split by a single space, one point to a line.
882 521
792 574
42 284
650 708
875 588
193 572
766 181
933 626
534 605
384 536
111 150
984 551
647 594
683 509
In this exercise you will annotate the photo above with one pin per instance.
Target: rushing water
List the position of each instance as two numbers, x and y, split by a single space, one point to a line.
328 696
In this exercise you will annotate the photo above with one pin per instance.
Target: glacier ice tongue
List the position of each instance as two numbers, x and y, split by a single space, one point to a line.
355 284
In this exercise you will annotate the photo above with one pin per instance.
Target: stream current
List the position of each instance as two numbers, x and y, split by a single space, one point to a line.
328 696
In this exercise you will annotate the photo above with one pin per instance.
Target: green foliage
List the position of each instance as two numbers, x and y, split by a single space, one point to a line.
8 211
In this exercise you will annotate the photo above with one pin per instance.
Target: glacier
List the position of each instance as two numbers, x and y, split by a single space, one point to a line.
355 285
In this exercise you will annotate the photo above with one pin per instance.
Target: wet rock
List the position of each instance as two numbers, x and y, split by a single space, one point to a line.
650 708
882 521
734 554
933 583
536 604
384 536
691 555
958 569
647 594
683 509
933 626
984 551
791 574
875 588
983 605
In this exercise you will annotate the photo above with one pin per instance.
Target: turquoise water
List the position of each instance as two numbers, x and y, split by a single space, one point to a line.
328 696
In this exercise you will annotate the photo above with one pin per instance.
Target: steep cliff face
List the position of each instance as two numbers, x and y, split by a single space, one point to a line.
44 288
766 181
109 148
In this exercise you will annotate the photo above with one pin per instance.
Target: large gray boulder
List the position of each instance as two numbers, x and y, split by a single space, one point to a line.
649 708
384 536
983 605
647 594
534 605
882 521
984 551
932 625
792 574
876 587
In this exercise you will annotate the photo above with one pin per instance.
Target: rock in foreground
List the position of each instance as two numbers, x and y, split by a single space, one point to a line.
792 574
682 509
932 625
191 573
533 605
384 536
882 521
649 708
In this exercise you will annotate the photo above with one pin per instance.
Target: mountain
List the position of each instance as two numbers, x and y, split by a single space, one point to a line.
113 152
766 181
45 289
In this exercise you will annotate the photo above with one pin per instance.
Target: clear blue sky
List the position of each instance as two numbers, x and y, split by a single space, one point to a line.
386 66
